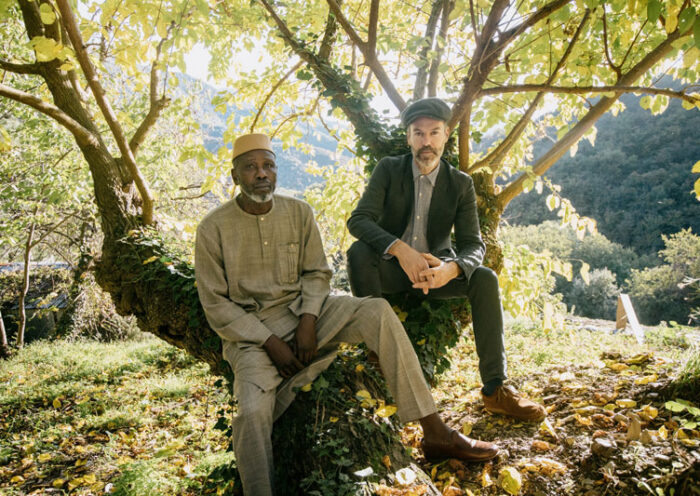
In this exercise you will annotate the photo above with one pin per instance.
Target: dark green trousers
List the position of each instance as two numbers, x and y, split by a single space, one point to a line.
371 274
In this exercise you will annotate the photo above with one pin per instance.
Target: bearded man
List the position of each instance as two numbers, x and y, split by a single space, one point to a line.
263 281
403 223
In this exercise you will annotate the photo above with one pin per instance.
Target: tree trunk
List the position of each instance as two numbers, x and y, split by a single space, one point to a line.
25 288
4 345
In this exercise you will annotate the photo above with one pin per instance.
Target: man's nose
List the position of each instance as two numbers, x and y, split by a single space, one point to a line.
261 173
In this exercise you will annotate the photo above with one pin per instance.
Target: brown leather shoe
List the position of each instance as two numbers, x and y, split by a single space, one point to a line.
461 447
506 400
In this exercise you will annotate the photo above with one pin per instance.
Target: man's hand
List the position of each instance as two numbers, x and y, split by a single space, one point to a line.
411 261
305 338
282 356
439 273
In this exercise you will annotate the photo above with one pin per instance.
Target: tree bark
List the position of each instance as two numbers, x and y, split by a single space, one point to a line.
4 345
19 340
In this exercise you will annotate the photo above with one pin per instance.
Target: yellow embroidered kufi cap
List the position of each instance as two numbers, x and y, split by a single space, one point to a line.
248 142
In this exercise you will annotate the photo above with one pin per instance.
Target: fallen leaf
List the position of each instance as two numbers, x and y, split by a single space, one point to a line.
405 476
647 379
386 461
510 480
56 403
44 457
58 483
466 428
546 426
386 411
359 368
540 445
306 388
626 403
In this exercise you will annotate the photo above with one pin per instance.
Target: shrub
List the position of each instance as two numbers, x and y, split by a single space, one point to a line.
597 299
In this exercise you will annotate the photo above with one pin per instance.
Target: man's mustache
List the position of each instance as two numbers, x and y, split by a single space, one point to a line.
427 149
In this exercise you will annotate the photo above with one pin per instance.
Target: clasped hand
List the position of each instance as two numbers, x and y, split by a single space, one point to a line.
291 358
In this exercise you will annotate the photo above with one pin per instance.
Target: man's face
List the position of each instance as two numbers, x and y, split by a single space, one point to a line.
427 138
256 174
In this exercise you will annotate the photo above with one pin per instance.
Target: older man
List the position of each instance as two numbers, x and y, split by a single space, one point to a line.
263 281
403 223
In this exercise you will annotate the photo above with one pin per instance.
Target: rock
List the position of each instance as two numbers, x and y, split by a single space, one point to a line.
603 447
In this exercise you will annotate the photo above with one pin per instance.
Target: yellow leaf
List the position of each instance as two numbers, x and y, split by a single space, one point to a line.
89 478
150 259
58 483
663 432
542 445
626 403
485 477
363 394
646 379
697 189
618 367
421 342
546 426
56 403
466 428
696 167
386 411
359 368
47 14
306 387
17 479
649 412
510 480
583 420
333 420
671 22
80 462
44 457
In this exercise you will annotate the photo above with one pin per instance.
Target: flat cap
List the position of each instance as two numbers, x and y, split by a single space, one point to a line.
248 142
432 107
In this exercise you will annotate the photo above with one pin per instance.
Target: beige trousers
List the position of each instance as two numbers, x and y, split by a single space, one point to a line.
343 319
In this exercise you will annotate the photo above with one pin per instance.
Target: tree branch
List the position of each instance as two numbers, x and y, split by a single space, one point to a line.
493 159
582 90
272 91
583 125
19 68
343 91
370 56
329 36
372 28
435 64
71 26
428 41
82 135
157 105
612 65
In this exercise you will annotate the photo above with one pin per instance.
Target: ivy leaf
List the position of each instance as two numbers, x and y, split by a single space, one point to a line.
696 30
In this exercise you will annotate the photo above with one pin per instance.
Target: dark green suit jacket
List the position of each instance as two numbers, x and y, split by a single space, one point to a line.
386 206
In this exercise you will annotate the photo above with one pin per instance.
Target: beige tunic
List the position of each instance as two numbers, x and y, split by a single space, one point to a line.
256 274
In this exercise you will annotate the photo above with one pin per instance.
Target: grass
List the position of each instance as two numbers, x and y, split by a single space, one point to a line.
136 417
132 417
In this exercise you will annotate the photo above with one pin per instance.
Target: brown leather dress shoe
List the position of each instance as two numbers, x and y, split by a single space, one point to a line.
506 400
461 447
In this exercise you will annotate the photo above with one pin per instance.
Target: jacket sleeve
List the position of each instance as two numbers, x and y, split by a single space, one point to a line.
470 247
363 221
315 275
225 317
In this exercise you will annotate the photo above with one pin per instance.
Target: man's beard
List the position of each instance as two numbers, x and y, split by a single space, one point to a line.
427 163
256 197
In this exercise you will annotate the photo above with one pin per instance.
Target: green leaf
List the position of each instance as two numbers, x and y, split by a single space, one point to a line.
686 18
696 31
653 11
47 14
674 406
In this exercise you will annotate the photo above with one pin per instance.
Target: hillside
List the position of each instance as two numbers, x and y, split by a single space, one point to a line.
635 182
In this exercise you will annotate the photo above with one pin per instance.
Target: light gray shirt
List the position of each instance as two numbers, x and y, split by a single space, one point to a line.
416 233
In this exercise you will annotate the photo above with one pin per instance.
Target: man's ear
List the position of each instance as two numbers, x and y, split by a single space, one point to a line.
234 176
448 130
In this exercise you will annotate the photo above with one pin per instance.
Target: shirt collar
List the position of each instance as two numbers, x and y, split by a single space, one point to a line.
432 176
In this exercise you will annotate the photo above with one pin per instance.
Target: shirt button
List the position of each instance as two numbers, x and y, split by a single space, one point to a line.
262 219
265 243
415 238
417 216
